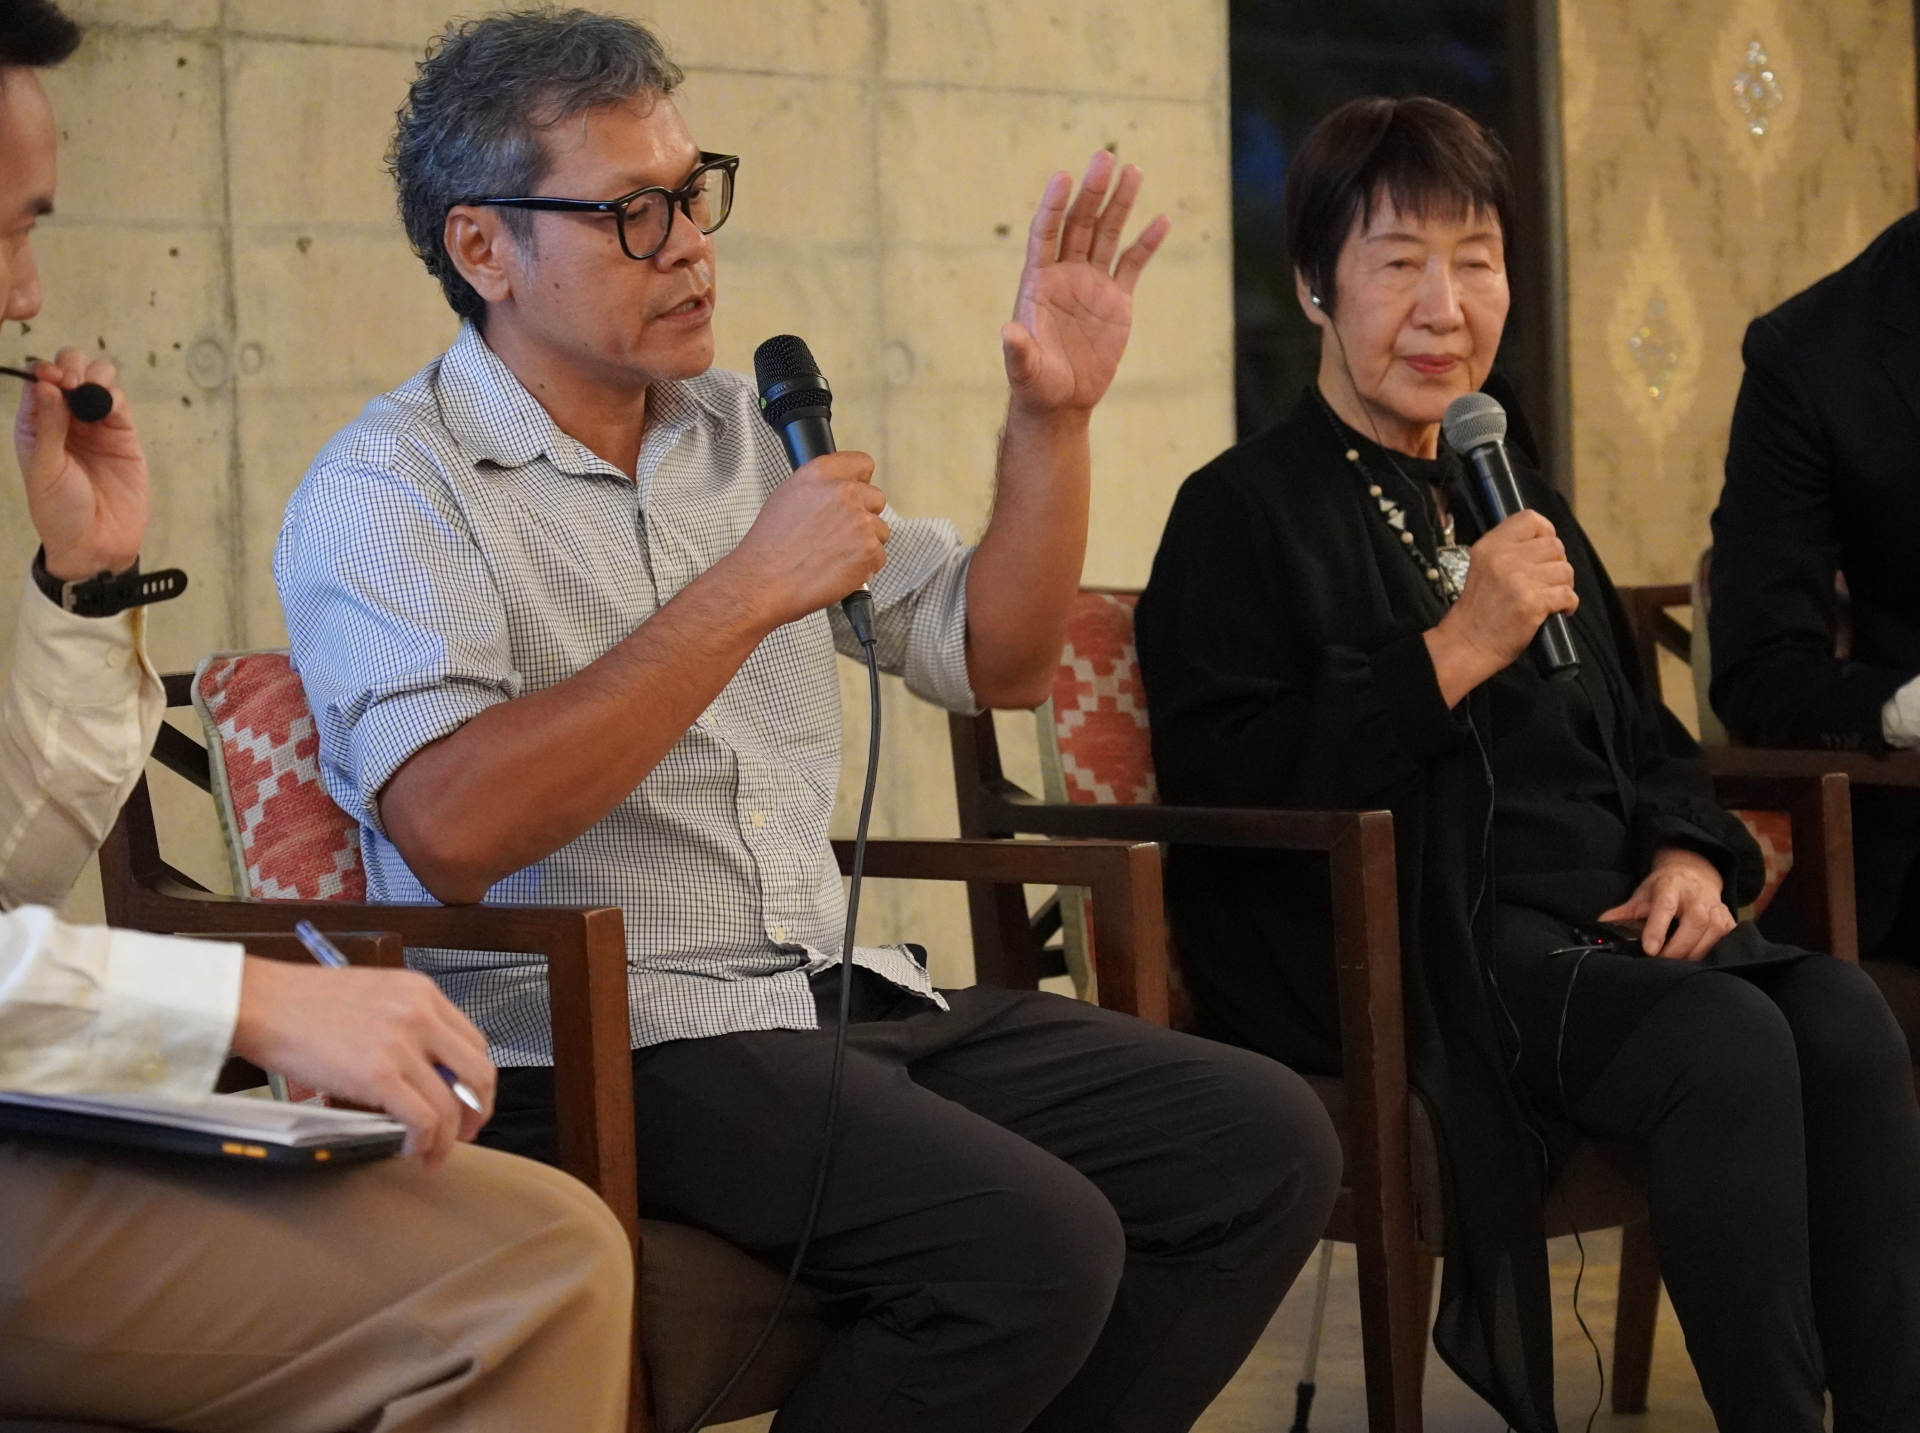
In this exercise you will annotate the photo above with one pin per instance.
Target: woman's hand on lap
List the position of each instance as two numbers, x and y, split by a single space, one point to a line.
1680 903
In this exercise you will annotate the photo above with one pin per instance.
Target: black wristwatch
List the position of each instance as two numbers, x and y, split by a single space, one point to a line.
106 593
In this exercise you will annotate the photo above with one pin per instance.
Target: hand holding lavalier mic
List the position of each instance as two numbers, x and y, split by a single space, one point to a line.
89 402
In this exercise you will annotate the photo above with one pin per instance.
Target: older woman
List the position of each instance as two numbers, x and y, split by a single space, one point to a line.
1327 623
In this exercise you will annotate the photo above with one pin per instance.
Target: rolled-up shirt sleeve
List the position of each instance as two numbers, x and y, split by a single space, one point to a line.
920 612
398 632
84 1009
78 713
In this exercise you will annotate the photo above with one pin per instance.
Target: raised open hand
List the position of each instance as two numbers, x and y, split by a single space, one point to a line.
1075 306
86 482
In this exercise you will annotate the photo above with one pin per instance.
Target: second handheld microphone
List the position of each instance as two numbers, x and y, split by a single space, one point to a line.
797 403
1476 428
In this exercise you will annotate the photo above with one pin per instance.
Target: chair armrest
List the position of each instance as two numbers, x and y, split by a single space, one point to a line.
380 949
1123 878
1862 768
1274 828
1821 810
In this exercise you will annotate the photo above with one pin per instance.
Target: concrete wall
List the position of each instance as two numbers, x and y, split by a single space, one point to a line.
226 234
1689 213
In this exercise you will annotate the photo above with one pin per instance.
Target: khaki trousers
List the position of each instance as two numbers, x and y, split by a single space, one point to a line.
495 1294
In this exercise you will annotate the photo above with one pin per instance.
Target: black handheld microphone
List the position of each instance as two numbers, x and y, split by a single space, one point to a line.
798 405
1476 428
88 402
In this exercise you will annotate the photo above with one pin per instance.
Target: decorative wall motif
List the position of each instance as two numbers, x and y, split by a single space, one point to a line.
1655 324
1717 160
1756 90
1756 76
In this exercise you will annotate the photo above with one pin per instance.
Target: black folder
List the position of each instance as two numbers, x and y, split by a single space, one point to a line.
234 1128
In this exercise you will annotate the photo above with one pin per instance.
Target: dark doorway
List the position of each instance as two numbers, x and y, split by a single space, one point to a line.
1295 60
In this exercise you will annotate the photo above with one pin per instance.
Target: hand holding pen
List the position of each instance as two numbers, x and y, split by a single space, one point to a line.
383 1039
329 955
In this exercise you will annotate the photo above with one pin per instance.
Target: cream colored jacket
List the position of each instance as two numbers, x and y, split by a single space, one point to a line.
83 1008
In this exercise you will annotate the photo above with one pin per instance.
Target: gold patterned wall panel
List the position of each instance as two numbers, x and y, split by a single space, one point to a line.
1718 158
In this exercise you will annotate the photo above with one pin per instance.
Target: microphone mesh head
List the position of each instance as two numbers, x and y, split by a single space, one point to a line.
781 358
785 359
1472 421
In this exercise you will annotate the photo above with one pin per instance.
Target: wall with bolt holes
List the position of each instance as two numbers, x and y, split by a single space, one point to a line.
226 235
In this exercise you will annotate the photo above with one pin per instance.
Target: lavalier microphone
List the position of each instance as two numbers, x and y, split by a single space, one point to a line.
88 402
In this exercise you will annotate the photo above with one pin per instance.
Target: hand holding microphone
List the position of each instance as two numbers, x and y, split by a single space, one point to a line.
820 534
86 480
1520 585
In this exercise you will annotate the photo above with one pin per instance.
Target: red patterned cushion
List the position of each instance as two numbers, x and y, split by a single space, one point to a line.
287 839
1099 707
1773 831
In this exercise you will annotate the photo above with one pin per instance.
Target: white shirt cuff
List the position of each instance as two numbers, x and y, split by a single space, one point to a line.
91 1010
80 661
1900 717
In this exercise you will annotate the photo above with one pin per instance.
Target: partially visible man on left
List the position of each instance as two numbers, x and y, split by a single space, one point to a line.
151 1292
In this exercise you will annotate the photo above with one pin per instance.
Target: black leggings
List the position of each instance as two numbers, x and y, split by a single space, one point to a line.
1776 1104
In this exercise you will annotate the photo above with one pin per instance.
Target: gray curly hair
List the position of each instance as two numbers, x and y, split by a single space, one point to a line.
472 120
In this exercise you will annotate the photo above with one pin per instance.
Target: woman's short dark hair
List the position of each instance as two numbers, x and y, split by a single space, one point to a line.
1428 158
472 123
35 33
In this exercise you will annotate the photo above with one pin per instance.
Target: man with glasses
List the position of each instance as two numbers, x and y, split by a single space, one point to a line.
567 623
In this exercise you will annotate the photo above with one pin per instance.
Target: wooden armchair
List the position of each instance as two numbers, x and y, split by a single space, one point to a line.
1390 1207
700 1300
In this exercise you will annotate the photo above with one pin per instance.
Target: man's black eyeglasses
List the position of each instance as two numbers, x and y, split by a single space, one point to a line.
645 217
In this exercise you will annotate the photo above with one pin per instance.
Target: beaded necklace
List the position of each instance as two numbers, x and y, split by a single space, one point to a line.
1446 570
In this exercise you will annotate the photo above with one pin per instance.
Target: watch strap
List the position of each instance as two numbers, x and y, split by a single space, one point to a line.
107 594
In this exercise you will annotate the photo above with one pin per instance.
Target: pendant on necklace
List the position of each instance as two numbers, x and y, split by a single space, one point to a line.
1453 561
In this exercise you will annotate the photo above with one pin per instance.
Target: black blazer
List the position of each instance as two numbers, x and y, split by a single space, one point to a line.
1823 474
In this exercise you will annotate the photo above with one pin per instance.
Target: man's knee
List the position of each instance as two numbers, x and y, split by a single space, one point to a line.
1274 1145
1039 1257
560 1222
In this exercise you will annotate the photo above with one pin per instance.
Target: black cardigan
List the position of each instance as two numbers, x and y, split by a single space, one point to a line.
1281 647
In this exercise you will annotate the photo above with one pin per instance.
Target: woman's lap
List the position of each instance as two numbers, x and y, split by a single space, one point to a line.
1573 1007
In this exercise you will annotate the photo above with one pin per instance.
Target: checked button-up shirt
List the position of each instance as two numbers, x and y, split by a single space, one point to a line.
452 548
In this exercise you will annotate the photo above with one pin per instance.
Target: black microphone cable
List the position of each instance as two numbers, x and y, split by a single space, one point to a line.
847 968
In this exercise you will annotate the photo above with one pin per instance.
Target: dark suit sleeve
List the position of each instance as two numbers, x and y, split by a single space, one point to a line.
1776 549
1247 708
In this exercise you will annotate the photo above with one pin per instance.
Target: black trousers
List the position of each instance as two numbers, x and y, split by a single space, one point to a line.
1042 1215
1776 1105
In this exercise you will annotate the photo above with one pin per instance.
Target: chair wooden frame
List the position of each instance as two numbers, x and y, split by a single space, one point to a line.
1814 786
585 949
1377 1208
